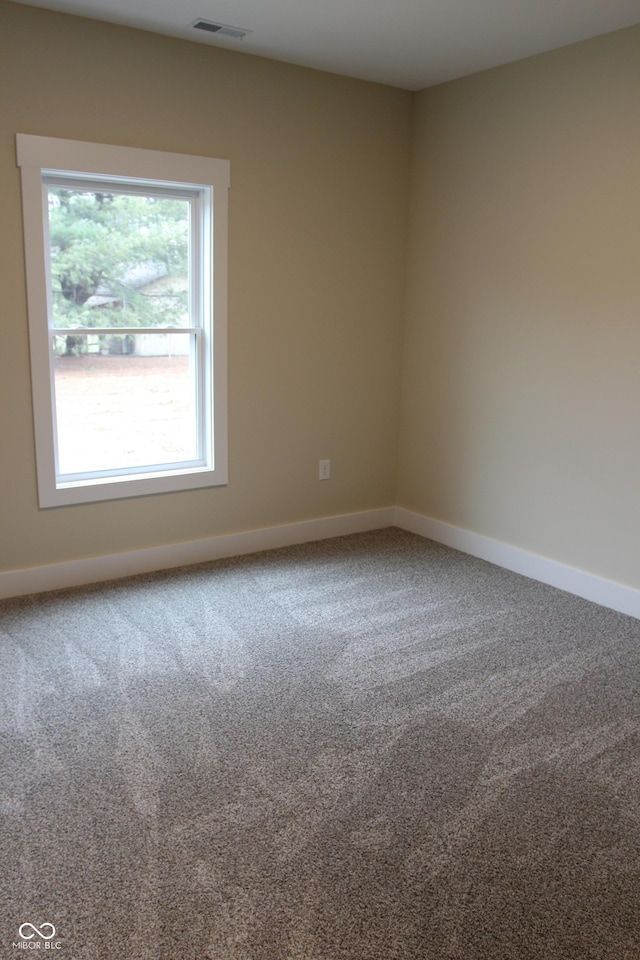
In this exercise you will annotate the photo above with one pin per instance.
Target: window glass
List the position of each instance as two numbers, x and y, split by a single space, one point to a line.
118 259
124 401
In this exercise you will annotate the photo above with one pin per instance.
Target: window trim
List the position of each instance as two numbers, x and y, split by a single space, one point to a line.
44 156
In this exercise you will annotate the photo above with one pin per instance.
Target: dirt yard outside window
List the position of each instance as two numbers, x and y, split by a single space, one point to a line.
123 411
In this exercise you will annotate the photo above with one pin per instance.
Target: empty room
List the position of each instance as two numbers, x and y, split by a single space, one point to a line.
319 490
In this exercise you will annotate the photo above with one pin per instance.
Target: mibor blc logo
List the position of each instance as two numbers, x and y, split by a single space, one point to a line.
37 938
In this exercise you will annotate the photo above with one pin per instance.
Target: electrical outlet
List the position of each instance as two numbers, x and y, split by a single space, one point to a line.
324 472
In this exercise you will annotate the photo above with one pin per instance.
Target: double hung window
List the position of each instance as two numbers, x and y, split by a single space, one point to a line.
126 281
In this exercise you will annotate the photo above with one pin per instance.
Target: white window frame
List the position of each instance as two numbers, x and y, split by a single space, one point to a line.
42 157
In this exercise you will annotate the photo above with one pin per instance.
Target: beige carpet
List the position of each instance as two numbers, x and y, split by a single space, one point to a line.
369 748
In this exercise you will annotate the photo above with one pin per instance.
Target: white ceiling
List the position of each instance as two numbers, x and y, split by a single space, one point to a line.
405 43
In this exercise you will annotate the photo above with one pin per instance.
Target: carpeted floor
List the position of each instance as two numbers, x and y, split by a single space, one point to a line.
368 748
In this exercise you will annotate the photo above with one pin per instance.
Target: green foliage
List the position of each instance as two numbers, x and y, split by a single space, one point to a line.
118 259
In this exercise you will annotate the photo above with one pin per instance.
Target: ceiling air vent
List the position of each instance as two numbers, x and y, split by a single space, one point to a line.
221 29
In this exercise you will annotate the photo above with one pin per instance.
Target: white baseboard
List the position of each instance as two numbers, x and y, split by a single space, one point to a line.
75 573
607 593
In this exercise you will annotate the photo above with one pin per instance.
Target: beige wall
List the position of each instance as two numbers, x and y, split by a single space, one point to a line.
521 372
318 208
521 378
